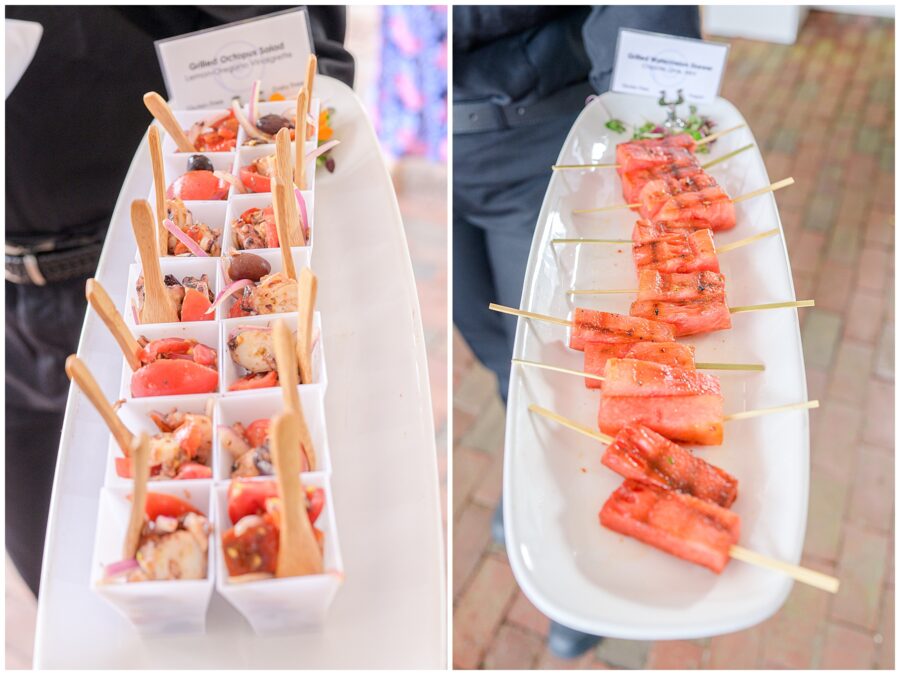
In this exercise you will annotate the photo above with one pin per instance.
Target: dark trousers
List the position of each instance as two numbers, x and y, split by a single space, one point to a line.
42 328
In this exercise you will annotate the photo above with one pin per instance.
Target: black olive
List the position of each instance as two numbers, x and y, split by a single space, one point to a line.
199 163
270 124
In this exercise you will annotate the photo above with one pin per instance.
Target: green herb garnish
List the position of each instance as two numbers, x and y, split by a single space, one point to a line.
616 125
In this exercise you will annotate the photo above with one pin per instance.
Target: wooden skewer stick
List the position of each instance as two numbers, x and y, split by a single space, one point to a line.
311 64
159 189
747 414
716 136
707 165
298 550
724 158
558 369
756 193
503 309
308 287
140 467
772 305
769 188
158 107
284 161
101 302
159 307
801 574
590 433
719 249
78 372
286 361
279 194
300 139
699 366
285 172
747 240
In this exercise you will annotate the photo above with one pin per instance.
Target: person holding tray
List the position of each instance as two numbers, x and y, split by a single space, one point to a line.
521 76
73 121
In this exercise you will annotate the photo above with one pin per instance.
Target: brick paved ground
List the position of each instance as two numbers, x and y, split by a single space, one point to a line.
822 111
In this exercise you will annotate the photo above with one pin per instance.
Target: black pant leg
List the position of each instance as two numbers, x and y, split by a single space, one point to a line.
43 325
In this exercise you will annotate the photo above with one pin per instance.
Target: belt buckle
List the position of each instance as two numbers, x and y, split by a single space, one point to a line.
32 274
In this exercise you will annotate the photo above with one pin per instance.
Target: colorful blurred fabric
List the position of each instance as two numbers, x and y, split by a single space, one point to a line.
412 98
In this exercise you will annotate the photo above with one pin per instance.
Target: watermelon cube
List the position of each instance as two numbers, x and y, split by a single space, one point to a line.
684 419
590 325
631 377
669 353
684 526
642 454
681 252
688 317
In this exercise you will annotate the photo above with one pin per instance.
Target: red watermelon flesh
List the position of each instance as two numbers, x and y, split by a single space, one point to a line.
683 419
591 325
710 205
669 353
686 527
678 253
659 286
632 157
631 377
689 317
656 193
647 230
635 181
642 454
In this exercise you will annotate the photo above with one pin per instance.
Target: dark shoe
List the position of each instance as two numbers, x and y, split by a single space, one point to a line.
497 533
567 643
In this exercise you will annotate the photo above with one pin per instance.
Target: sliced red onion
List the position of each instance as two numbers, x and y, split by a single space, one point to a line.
194 132
304 216
321 150
254 102
233 180
249 129
181 236
229 290
186 357
246 523
121 567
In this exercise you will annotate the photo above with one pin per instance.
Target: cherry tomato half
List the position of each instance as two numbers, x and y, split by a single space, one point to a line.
171 377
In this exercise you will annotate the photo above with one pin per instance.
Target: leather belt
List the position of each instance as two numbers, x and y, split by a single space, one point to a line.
51 262
481 116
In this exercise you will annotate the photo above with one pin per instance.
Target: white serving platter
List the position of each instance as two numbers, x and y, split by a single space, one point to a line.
390 611
574 570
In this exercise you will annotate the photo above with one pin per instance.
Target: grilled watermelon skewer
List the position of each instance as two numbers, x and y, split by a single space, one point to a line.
694 529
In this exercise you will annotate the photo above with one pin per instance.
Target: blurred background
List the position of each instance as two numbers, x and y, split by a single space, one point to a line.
400 55
817 89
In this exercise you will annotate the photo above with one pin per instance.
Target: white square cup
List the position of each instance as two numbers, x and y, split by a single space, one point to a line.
285 109
299 254
175 607
291 604
211 214
248 154
237 204
135 414
179 268
268 403
186 118
205 332
229 371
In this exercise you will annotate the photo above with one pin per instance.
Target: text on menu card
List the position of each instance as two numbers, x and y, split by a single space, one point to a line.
208 68
648 64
